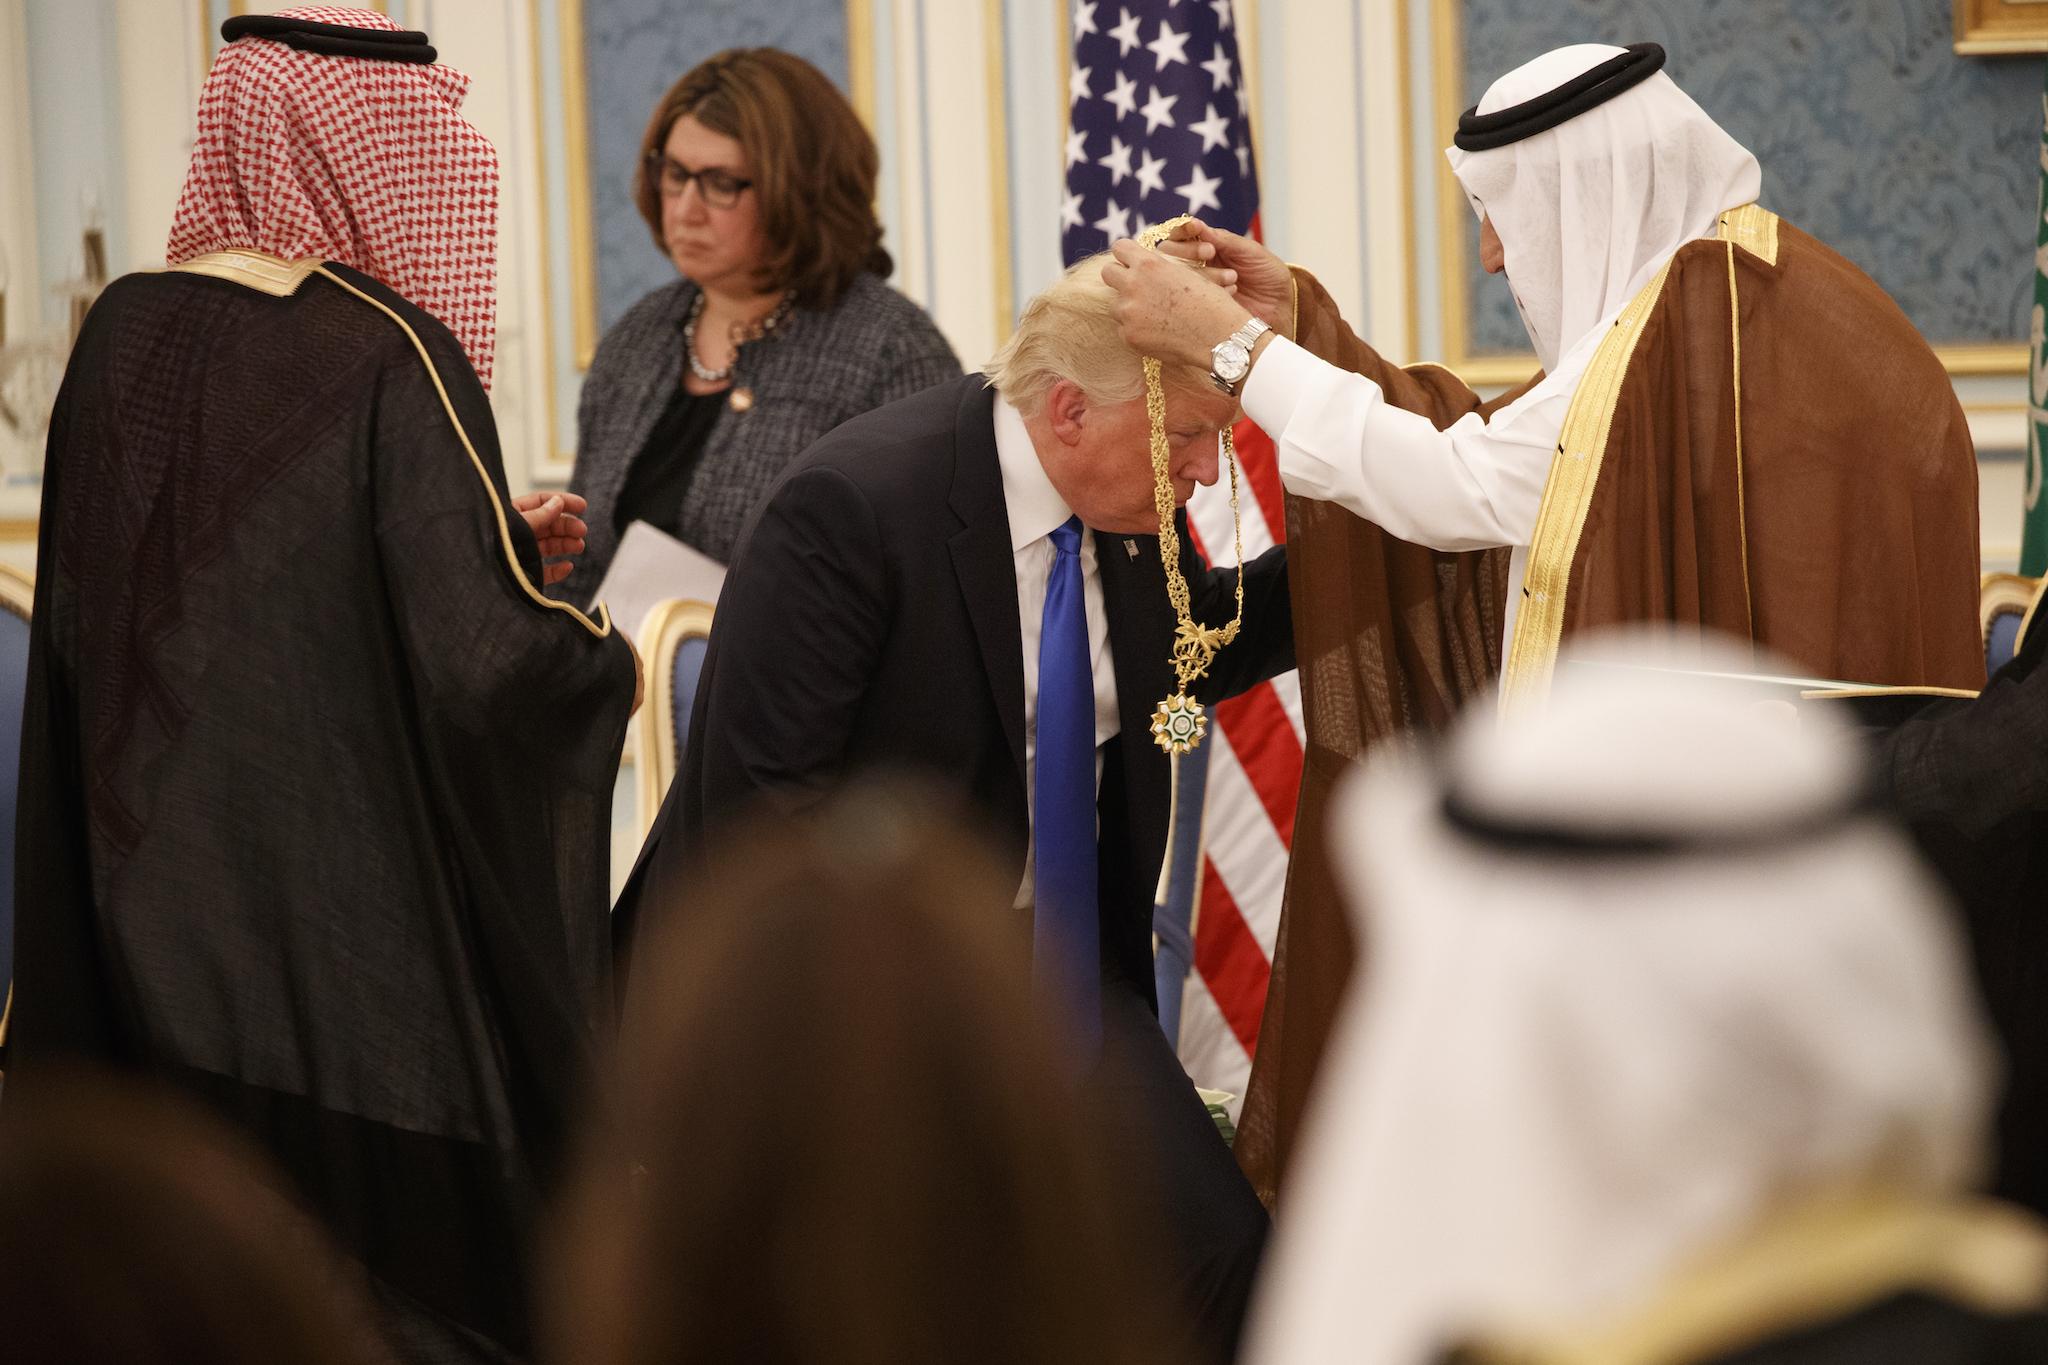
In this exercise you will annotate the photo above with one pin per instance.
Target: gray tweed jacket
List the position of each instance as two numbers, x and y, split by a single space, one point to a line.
816 370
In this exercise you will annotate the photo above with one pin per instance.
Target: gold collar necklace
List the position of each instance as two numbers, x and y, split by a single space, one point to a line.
1179 724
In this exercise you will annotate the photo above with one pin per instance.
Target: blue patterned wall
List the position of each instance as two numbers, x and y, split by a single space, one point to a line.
635 50
1918 165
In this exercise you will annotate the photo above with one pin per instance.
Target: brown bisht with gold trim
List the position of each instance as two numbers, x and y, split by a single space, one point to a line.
1762 446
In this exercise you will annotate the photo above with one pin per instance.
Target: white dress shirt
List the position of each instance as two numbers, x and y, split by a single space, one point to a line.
1036 510
1475 485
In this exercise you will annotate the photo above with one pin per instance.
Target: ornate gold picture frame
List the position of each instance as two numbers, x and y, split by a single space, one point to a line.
1992 27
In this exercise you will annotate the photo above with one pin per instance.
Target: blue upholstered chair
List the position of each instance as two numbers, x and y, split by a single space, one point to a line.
672 641
17 595
2004 601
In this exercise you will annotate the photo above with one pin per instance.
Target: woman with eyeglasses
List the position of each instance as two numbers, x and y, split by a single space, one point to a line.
757 180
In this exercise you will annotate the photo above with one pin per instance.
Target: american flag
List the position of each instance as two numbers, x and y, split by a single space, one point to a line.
1160 122
1160 126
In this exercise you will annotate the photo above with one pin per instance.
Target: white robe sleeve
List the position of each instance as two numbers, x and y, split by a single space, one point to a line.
1472 486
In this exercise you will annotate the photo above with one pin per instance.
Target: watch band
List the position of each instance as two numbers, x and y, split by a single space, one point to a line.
1242 339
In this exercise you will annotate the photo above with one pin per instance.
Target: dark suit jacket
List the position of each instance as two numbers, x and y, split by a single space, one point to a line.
869 623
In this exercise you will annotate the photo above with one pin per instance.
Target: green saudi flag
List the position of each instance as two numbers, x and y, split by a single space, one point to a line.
2034 534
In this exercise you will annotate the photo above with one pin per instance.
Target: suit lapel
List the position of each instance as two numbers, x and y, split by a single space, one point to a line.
1141 641
984 561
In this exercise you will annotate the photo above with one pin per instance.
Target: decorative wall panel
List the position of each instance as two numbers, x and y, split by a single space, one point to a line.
636 49
1917 164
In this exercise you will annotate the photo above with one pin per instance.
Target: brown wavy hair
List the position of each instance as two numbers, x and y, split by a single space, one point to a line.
814 166
839 1134
135 1226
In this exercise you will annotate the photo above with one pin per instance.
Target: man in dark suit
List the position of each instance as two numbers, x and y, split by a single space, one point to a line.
896 606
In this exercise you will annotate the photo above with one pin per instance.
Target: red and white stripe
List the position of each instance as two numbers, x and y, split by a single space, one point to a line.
1248 816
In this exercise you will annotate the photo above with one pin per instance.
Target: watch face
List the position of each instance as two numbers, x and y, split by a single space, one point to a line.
1231 360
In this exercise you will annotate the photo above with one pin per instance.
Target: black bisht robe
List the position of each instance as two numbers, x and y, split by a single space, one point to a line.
1970 778
316 785
1912 1327
1909 1328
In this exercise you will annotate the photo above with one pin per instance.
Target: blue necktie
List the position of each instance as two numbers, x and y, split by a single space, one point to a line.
1066 939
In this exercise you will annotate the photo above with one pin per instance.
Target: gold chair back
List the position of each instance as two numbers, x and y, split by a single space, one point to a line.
672 659
2005 608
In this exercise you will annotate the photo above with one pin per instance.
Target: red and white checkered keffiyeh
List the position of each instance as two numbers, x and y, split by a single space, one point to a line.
369 163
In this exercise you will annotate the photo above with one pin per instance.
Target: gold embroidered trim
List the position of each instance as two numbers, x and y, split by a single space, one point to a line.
1849 693
1753 228
600 627
257 270
1808 1265
1567 495
1575 471
1741 495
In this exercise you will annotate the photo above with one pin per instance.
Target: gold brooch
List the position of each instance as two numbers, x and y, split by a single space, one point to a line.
1178 724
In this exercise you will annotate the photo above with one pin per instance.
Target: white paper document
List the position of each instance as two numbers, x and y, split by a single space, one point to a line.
652 566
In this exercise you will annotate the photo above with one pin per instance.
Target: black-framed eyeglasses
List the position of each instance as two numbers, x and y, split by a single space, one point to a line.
721 189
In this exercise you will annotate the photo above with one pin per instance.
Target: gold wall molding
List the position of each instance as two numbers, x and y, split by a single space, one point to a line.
924 195
1994 28
1989 357
576 154
1063 57
551 451
1412 311
576 204
1447 49
994 45
860 59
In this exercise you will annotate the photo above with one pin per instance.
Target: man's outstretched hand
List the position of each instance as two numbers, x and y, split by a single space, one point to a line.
1166 309
556 520
1256 277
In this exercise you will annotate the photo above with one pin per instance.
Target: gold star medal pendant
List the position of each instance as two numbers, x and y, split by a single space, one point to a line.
1180 724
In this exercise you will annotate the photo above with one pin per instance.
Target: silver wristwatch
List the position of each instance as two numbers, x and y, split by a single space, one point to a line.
1230 359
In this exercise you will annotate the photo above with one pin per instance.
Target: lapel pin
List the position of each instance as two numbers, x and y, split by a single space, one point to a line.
1131 548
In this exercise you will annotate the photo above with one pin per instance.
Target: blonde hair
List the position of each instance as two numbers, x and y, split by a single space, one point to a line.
1069 332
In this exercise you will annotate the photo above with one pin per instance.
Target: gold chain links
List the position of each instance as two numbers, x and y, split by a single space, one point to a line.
1179 724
